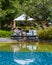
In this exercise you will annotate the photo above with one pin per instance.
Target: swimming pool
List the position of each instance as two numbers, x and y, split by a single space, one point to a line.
26 58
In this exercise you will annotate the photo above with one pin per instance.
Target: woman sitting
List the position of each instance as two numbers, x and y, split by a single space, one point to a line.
16 32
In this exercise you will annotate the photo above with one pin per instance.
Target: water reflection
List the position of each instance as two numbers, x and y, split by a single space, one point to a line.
17 47
23 62
21 46
24 46
31 47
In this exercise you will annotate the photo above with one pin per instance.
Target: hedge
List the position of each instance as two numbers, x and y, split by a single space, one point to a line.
45 34
5 33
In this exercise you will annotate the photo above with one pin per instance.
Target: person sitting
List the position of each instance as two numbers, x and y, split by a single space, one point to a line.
32 32
16 32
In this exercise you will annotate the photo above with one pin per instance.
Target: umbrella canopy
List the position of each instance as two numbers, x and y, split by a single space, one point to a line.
23 17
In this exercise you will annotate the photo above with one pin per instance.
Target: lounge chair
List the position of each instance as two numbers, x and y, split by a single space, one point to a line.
32 35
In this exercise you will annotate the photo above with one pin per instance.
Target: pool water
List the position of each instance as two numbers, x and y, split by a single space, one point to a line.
26 58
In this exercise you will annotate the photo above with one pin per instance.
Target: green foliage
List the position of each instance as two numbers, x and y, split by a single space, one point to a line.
5 33
40 10
45 34
8 9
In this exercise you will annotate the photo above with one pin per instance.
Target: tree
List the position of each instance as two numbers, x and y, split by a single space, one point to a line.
40 10
9 9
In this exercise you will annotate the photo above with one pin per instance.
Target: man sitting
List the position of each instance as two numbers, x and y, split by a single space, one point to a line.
32 33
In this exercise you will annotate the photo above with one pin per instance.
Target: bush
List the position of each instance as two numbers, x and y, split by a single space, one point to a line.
5 33
45 34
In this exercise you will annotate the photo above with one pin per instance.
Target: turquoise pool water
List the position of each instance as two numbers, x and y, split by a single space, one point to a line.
26 58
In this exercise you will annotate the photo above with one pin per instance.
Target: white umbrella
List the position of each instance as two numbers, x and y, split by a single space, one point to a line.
23 17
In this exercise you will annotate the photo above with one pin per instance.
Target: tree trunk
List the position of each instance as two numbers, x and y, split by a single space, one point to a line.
14 24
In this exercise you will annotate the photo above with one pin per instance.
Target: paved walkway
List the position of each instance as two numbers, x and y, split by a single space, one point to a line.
10 40
6 40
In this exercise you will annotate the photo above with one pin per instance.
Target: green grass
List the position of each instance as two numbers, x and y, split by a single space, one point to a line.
41 47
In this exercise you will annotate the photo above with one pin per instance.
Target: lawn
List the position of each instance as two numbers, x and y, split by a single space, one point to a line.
40 47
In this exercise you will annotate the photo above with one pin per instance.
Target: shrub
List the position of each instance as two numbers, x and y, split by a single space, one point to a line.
5 33
45 34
